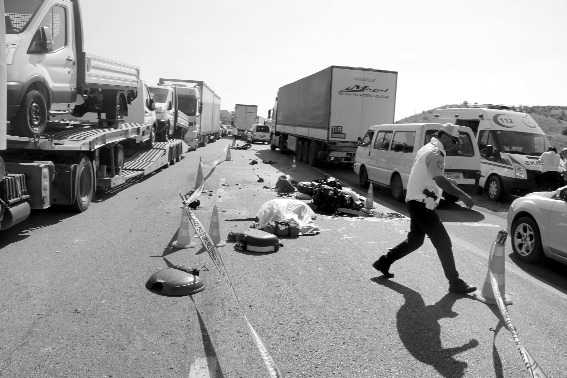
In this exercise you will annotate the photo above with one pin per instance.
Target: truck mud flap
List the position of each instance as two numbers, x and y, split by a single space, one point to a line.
64 184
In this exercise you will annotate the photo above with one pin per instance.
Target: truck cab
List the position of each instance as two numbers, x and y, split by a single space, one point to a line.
165 112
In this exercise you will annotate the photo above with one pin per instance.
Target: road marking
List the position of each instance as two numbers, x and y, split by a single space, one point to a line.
471 224
200 368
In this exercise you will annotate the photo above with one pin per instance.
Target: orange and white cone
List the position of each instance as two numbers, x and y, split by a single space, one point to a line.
293 165
185 237
214 229
496 268
228 158
370 197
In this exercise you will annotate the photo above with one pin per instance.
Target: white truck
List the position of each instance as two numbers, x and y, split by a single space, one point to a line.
171 120
244 117
322 116
510 144
205 122
64 161
49 73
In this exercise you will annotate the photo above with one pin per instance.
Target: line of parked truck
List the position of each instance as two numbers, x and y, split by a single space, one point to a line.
346 115
72 123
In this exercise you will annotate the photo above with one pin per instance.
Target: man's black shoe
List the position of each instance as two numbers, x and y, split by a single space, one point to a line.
461 287
383 266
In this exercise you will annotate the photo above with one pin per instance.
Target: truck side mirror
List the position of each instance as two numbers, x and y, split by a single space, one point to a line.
152 104
270 114
359 139
170 105
200 107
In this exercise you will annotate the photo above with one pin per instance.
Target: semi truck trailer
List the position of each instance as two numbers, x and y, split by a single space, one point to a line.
322 117
244 117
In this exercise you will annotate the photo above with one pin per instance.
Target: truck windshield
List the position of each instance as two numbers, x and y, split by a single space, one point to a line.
187 104
18 14
521 143
160 94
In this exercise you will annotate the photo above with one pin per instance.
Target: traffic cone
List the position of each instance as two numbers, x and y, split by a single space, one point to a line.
293 165
370 197
214 229
228 158
496 267
184 234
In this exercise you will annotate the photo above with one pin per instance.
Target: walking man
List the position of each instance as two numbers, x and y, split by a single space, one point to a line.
425 187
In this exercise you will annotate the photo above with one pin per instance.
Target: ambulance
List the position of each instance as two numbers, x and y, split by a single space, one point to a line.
510 144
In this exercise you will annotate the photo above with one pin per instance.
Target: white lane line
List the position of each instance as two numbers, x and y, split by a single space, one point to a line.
510 269
469 224
200 368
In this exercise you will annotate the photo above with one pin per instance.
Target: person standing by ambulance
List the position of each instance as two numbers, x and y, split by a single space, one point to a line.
425 187
563 167
550 169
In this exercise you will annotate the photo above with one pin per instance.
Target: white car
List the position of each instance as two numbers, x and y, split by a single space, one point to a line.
537 225
258 133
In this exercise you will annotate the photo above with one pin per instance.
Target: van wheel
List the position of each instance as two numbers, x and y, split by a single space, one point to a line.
31 118
152 139
83 185
363 178
494 188
397 188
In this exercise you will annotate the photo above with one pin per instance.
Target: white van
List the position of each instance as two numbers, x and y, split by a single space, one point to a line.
387 152
258 133
510 144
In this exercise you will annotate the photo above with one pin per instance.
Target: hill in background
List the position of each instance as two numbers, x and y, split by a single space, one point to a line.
551 119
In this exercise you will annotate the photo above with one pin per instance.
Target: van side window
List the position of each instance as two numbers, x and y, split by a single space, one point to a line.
383 140
485 138
367 139
56 21
403 141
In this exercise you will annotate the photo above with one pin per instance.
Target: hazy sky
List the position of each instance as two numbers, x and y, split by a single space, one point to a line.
445 51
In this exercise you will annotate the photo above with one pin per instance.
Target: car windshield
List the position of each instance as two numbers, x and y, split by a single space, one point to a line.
160 94
521 143
18 14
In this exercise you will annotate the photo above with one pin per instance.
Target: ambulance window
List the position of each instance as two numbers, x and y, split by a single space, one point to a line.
383 140
485 138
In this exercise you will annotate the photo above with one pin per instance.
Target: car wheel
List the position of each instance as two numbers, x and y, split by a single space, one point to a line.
363 178
397 188
494 188
31 118
526 240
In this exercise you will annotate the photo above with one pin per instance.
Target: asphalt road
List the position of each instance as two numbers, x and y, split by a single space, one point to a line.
75 303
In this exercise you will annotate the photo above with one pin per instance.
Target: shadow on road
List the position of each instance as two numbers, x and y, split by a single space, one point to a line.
548 271
420 331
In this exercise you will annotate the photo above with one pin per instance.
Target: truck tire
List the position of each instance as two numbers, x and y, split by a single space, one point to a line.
299 151
305 152
313 154
84 185
112 105
31 118
281 145
152 139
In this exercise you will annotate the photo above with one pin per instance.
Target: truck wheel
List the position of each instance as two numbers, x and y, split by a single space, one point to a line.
152 139
397 188
299 151
494 188
83 185
305 152
281 145
313 154
119 158
112 105
363 178
32 115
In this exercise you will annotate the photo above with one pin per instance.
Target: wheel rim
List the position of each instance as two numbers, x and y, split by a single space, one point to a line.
492 189
524 239
118 110
35 115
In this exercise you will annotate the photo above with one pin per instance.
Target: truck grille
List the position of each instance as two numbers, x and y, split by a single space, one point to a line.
13 188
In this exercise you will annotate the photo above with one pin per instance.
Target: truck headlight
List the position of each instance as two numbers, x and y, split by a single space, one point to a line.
520 171
10 52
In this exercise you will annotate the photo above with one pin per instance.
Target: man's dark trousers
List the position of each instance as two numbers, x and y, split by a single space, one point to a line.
426 222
